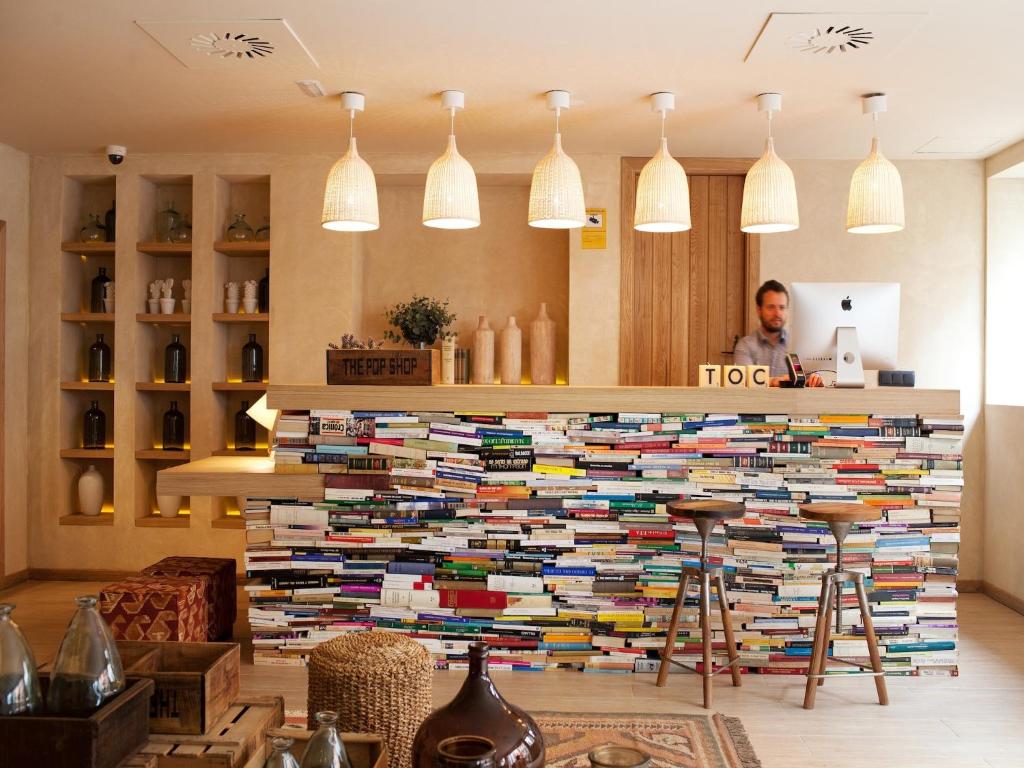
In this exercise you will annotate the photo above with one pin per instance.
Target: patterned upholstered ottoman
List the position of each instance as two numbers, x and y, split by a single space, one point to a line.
157 608
221 597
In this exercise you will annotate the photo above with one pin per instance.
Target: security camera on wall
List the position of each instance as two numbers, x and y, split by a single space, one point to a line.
116 153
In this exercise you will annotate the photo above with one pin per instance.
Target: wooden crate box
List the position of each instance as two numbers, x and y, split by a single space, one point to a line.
195 682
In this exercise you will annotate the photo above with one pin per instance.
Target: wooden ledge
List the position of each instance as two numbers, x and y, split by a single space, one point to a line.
236 476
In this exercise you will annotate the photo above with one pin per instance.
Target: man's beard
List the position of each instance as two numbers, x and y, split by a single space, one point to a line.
769 329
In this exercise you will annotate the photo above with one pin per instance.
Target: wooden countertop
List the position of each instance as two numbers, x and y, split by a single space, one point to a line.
236 476
474 397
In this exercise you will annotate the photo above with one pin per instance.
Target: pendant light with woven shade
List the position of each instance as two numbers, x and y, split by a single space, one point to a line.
769 191
450 200
662 194
876 189
350 195
556 192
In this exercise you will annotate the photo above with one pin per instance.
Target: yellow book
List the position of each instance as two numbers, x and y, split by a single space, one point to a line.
551 469
295 469
845 418
627 617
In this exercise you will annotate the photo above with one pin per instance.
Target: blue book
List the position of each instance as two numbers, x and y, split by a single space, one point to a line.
411 568
351 450
554 570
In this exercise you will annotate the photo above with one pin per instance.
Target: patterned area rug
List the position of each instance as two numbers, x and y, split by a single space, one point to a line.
672 741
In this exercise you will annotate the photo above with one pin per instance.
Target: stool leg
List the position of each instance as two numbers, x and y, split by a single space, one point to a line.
820 646
673 629
730 639
829 611
869 632
705 633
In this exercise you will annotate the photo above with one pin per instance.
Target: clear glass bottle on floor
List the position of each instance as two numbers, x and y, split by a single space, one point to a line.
325 749
282 756
19 684
87 671
239 231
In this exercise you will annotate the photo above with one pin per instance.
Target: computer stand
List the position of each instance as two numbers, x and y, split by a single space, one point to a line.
849 367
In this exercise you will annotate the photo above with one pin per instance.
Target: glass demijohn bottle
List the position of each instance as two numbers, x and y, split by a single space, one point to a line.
92 232
94 427
239 231
174 428
19 683
99 360
325 749
282 756
166 221
252 360
88 668
175 361
96 290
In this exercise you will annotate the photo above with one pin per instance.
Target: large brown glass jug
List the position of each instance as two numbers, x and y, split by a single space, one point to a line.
479 710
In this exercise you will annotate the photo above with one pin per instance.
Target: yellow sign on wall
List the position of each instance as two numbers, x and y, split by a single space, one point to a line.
595 231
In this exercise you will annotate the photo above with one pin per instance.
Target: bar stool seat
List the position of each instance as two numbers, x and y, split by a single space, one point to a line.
704 513
840 517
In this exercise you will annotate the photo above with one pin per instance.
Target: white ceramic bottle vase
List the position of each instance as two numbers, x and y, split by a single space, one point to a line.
542 348
483 352
90 492
511 352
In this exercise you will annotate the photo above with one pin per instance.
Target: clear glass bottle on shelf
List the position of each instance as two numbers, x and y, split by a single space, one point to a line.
100 360
239 231
19 683
252 360
181 232
263 232
245 429
166 220
93 231
87 671
94 427
282 756
325 748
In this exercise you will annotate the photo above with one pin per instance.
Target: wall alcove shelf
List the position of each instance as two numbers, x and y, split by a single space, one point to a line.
87 453
162 386
240 386
158 249
104 518
102 248
176 318
87 317
87 386
228 317
244 248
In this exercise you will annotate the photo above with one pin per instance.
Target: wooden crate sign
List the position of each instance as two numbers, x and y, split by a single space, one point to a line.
392 367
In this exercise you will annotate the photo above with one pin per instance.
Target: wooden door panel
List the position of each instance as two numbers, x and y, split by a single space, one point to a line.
696 328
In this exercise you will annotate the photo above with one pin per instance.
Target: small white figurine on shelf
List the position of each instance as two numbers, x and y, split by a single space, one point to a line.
231 302
166 300
186 302
154 297
249 300
108 297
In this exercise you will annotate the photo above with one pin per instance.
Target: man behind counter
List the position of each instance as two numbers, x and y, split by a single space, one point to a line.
767 344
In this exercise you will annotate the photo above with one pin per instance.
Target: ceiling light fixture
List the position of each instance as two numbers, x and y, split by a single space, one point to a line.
350 195
556 192
311 87
876 190
662 194
769 190
450 200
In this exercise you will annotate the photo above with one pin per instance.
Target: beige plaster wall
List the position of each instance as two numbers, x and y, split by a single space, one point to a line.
939 261
14 210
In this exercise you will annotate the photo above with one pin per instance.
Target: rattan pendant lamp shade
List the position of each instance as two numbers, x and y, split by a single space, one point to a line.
450 200
662 193
876 189
556 192
350 194
769 190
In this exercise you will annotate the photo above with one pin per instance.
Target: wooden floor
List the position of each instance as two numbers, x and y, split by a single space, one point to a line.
973 721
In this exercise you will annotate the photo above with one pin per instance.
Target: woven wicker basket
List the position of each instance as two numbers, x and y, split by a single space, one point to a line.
377 682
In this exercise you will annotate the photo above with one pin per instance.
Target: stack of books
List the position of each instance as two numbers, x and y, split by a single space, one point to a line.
548 535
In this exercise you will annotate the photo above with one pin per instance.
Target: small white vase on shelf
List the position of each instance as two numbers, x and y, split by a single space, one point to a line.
90 492
483 353
186 306
510 352
154 306
168 505
231 306
542 348
167 306
249 305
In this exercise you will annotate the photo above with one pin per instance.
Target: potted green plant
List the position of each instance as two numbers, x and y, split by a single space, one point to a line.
419 322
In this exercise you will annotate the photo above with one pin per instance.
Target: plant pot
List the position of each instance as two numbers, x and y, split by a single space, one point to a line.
249 305
167 306
231 306
154 306
168 505
186 306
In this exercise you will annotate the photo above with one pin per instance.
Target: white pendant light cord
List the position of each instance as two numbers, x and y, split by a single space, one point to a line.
451 131
351 125
663 113
558 115
769 112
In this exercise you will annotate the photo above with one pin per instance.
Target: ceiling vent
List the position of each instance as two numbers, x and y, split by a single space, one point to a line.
832 39
219 44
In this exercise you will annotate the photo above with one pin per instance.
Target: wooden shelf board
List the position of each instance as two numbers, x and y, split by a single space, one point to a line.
87 453
161 249
87 317
159 454
88 386
235 523
162 386
241 317
89 249
176 318
240 386
236 476
155 521
554 399
245 248
258 451
104 518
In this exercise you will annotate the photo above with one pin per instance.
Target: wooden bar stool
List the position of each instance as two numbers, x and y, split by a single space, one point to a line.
704 514
840 516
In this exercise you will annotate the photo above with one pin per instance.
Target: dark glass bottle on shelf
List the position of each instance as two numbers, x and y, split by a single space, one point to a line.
264 292
100 360
96 292
245 429
175 364
252 360
94 427
110 222
174 428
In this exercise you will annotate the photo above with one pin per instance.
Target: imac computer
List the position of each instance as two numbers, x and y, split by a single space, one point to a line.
845 328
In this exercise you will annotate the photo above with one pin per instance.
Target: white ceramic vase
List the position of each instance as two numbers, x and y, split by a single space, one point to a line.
186 306
90 492
168 505
167 306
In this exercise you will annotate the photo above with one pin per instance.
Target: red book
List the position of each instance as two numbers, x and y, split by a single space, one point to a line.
645 533
368 482
388 440
526 415
473 598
